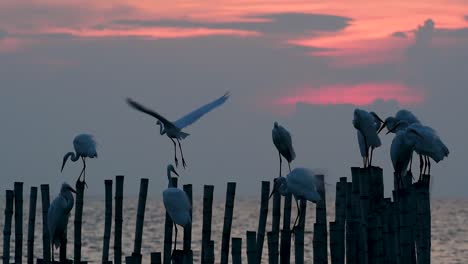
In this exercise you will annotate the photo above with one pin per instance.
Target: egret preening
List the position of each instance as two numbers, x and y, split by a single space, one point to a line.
400 152
177 204
283 143
174 129
85 147
58 214
402 115
302 184
367 125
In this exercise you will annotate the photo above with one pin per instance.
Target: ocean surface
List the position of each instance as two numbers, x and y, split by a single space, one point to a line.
449 228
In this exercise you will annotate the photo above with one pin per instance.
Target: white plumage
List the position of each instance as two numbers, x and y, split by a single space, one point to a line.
363 148
58 214
402 115
367 124
85 147
400 152
174 129
283 143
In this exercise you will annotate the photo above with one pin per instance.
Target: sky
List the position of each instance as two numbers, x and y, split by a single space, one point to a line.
66 68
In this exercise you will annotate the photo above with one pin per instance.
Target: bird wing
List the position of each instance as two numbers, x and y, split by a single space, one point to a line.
198 113
85 145
177 205
302 182
150 112
407 115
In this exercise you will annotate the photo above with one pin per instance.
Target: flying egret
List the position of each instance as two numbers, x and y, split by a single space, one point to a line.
177 204
301 183
362 141
174 129
365 123
58 214
283 143
85 147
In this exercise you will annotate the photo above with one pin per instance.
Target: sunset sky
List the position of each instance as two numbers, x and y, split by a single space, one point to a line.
67 66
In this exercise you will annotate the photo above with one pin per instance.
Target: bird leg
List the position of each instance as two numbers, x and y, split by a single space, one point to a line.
279 155
175 241
175 153
289 165
297 216
182 154
83 172
421 164
428 166
371 154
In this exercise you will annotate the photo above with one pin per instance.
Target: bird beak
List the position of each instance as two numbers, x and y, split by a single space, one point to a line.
378 118
382 127
393 128
175 172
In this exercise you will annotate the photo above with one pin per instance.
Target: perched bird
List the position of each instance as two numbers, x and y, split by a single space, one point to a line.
400 152
58 214
283 143
401 115
365 123
302 184
85 147
174 129
363 148
177 204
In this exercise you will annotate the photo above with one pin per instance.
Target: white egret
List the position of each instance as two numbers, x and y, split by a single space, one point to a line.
401 115
174 129
58 214
365 123
177 204
283 143
302 184
85 147
363 148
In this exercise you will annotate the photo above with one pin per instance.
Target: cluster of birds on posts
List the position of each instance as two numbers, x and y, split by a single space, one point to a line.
410 136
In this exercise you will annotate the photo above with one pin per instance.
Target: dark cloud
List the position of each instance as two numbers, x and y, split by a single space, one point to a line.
290 23
399 34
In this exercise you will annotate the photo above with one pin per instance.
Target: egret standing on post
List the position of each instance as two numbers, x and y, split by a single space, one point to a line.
85 147
174 129
365 123
58 214
283 143
177 204
363 148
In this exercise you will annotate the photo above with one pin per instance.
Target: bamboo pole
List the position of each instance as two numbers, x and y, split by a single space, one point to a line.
388 233
272 238
45 230
31 224
228 211
107 221
177 257
78 220
334 241
396 224
18 187
340 219
118 219
320 228
168 232
140 219
375 254
275 226
7 227
207 214
375 188
236 250
63 248
188 229
424 216
262 219
251 247
359 238
299 234
156 258
210 253
285 247
351 235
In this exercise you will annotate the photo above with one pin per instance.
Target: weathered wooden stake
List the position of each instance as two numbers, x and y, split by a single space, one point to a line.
156 258
320 239
7 227
31 224
78 220
334 241
168 232
18 187
351 225
299 234
210 257
275 226
228 211
140 219
45 230
262 219
251 247
424 217
236 250
273 252
207 214
107 221
188 229
285 247
340 219
118 219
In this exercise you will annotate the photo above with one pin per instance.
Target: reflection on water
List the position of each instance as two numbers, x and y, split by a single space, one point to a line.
449 228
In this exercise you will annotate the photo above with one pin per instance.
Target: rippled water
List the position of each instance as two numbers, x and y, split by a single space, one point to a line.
449 228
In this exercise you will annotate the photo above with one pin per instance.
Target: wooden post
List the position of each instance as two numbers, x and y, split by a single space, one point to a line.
140 219
78 220
168 232
107 221
299 234
18 187
340 219
285 247
320 246
7 227
424 216
188 229
364 186
45 230
375 188
375 247
178 257
207 214
236 250
31 224
388 233
251 247
275 227
210 257
262 219
404 227
156 258
228 211
118 219
334 241
273 252
351 225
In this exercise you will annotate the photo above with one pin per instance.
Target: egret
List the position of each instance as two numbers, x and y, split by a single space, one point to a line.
365 123
362 141
400 152
177 204
401 115
301 183
85 147
58 214
283 143
174 129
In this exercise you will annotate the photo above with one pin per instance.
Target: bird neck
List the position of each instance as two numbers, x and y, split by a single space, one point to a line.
169 178
73 156
161 129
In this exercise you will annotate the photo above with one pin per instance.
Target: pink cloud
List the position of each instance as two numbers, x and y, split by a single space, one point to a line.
360 94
